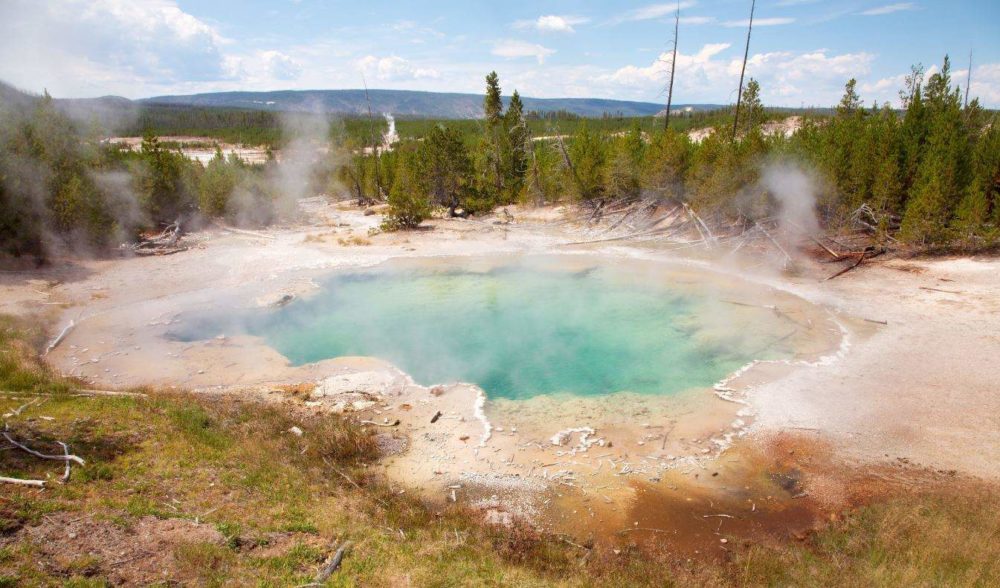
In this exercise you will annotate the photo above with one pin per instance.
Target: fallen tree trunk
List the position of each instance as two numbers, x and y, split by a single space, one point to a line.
699 224
27 449
333 564
788 258
164 251
19 481
868 253
62 335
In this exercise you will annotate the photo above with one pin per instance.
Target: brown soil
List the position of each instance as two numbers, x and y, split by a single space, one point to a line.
69 544
783 487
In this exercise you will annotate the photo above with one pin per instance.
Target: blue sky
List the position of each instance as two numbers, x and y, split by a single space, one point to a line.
802 51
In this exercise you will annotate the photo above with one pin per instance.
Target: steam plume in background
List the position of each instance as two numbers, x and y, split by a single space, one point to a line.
390 136
307 156
795 190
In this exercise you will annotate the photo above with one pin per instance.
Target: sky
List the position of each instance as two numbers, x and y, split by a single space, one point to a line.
802 51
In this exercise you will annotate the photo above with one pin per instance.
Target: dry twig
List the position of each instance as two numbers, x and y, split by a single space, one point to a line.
27 449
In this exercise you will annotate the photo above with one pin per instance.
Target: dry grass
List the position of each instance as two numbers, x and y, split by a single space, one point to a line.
354 240
276 503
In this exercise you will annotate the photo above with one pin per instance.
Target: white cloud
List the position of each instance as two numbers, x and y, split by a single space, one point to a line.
759 22
100 46
394 68
985 84
280 66
883 89
650 12
786 78
888 9
513 49
697 20
552 23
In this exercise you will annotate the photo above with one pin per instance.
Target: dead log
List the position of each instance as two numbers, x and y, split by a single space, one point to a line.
939 290
19 481
644 233
394 423
868 253
788 258
243 231
27 449
66 473
62 335
17 411
700 225
157 252
600 205
332 564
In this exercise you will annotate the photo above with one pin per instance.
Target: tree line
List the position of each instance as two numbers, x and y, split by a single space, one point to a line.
927 173
61 188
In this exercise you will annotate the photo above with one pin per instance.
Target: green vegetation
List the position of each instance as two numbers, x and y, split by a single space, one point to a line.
263 506
930 172
928 175
60 187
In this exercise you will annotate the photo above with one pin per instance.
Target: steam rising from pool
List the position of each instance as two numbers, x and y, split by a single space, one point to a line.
518 330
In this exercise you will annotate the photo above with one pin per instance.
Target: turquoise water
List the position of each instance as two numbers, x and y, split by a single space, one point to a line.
517 331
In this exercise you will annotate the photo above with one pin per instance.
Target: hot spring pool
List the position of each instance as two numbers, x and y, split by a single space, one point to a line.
518 329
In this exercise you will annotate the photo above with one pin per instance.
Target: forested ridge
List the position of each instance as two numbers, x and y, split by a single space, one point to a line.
924 172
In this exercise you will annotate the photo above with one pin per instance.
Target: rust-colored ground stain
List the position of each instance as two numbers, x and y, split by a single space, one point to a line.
776 489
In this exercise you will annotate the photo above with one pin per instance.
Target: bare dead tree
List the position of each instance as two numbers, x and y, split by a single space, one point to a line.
746 54
968 80
371 129
673 67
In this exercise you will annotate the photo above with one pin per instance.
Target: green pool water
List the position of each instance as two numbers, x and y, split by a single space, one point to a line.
518 330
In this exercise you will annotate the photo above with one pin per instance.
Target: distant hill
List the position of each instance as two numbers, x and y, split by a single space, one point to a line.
404 103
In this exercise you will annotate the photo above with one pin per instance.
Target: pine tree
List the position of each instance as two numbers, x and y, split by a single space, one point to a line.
408 205
753 109
913 133
517 148
445 167
622 178
843 151
944 164
978 214
494 142
493 104
545 178
850 102
665 163
886 188
216 185
588 154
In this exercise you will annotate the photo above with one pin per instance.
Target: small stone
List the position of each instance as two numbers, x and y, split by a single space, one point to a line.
295 431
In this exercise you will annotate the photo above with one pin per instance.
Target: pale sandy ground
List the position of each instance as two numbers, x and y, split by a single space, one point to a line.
925 387
202 150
